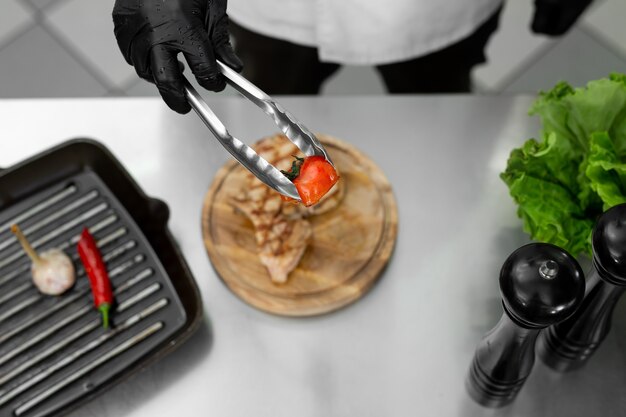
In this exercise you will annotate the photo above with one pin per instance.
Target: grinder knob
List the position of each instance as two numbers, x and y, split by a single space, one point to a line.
540 284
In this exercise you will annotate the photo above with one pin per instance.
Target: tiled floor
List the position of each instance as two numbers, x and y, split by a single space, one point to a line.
66 48
91 38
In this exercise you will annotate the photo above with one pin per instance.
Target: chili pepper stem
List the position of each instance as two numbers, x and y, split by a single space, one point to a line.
32 254
104 311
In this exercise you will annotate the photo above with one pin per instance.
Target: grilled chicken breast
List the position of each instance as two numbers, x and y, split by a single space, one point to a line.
281 230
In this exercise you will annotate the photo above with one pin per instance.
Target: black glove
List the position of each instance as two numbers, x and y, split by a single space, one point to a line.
151 33
555 17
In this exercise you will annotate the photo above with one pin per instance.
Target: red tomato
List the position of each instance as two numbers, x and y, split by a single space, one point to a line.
317 177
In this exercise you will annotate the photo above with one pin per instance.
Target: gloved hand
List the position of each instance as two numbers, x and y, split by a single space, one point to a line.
555 17
151 33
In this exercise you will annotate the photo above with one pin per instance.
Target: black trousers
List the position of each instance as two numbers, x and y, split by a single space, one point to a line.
281 67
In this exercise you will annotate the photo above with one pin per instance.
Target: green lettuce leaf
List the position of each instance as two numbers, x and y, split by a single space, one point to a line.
547 202
605 171
563 182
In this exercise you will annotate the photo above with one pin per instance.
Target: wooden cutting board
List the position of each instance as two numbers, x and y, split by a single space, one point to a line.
350 247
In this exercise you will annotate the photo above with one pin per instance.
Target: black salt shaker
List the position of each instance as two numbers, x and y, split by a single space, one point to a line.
568 345
540 285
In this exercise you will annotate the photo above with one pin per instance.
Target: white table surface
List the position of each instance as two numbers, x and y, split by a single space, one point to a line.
404 348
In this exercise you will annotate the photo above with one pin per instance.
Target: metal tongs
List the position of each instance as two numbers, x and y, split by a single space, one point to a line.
294 130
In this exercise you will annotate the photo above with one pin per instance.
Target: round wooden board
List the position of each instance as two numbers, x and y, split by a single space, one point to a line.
351 244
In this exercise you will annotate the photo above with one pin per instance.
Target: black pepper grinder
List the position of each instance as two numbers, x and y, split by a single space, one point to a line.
567 345
541 284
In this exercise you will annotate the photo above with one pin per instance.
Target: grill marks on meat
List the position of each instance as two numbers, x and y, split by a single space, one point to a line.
281 230
281 239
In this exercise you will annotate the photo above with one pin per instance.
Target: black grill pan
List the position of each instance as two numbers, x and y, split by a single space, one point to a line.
54 354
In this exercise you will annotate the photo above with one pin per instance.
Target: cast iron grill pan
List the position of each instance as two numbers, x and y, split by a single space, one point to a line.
53 350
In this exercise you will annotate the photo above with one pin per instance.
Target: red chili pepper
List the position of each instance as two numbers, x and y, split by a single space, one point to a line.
97 273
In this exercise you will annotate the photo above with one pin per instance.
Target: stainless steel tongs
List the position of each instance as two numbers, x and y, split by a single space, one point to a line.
294 130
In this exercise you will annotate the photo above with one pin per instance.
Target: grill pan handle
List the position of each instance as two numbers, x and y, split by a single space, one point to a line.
159 211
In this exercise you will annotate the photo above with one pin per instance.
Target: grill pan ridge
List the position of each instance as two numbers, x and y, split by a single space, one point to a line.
54 354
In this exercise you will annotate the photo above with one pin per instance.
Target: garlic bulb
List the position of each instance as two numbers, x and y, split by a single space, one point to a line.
52 271
54 274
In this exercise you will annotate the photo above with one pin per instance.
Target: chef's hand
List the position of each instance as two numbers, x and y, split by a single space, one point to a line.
151 33
555 17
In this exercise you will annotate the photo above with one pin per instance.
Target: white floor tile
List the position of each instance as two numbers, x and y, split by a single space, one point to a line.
577 59
141 88
608 20
34 65
354 80
40 4
13 16
88 26
511 46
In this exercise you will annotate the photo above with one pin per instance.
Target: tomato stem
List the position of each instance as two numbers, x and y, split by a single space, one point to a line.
294 171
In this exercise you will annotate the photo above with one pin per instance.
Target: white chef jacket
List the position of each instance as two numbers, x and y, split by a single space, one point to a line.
365 31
